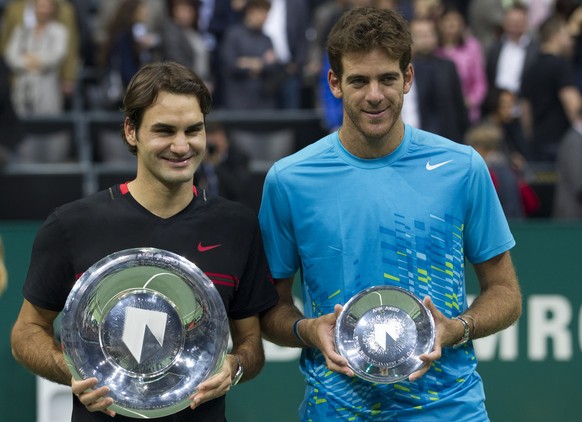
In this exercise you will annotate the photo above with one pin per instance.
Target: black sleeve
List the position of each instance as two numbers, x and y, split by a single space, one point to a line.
256 292
50 275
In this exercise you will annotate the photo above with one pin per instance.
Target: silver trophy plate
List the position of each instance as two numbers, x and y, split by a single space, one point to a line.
382 331
148 324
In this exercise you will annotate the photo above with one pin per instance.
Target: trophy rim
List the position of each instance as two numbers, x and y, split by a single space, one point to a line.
368 369
192 363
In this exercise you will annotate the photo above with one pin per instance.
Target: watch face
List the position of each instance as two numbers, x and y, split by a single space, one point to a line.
148 324
382 331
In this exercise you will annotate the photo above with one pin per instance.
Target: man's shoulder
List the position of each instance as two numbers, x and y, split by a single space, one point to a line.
311 153
88 205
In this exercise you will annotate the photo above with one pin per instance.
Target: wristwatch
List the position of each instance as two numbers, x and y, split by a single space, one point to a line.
239 372
466 333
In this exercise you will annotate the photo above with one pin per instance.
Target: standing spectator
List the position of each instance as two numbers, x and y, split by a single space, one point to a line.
181 40
249 64
550 96
128 46
107 9
487 140
458 45
435 102
514 52
568 193
485 18
22 13
286 25
11 125
35 55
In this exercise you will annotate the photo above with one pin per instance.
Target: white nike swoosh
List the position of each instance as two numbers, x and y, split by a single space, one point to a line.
430 166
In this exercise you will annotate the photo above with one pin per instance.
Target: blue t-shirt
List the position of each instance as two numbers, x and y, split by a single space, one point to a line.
408 219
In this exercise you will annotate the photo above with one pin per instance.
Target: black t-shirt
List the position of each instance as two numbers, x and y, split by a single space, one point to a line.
78 234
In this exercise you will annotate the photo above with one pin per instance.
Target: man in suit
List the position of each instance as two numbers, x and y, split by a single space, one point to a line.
435 102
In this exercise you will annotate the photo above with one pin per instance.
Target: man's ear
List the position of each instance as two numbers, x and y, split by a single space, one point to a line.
130 132
408 78
334 84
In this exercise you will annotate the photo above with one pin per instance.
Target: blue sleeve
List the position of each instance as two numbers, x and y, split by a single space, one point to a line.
277 228
487 232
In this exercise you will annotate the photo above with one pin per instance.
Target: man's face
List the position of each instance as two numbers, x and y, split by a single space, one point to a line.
424 36
372 89
170 141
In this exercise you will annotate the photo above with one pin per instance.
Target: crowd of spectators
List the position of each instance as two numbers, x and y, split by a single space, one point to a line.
514 65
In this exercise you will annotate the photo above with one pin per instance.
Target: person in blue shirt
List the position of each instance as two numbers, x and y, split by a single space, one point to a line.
379 202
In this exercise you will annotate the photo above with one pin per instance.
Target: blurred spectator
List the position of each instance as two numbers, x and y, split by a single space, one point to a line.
574 20
514 52
435 103
286 25
249 64
458 45
224 170
486 138
427 9
323 18
219 16
22 13
181 40
498 109
331 106
107 9
35 55
485 19
11 125
550 96
3 271
129 45
568 193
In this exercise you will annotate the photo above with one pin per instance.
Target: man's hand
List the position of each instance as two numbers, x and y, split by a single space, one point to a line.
448 332
319 333
217 385
93 400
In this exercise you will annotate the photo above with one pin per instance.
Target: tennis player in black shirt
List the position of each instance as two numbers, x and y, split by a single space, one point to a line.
165 108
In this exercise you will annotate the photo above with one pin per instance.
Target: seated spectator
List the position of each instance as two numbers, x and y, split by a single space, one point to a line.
225 168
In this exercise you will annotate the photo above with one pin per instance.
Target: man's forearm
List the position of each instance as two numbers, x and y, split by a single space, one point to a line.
277 325
39 352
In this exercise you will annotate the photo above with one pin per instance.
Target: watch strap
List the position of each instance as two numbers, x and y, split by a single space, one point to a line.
466 333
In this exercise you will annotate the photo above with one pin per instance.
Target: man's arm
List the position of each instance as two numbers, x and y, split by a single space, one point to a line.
34 346
280 325
248 347
499 302
497 306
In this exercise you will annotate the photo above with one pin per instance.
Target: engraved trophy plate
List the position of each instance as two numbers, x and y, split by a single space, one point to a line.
148 324
382 331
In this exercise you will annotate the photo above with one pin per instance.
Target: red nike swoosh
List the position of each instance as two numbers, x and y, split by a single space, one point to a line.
207 248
